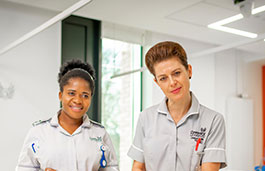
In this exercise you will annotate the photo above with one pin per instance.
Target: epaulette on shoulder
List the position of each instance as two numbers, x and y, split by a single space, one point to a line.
96 123
39 122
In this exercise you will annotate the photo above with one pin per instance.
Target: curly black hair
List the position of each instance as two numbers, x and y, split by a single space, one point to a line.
76 68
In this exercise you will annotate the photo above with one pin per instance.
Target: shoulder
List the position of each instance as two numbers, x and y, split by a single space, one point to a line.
99 131
153 108
40 122
96 124
209 112
212 116
148 116
37 129
150 111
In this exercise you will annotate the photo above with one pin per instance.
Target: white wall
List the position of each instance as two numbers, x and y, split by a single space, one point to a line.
203 79
239 131
225 78
235 76
253 85
32 68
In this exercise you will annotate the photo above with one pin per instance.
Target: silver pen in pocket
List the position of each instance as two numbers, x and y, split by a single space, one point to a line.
199 153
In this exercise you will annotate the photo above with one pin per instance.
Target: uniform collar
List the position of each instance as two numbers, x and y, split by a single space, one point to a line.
194 109
86 122
195 105
55 122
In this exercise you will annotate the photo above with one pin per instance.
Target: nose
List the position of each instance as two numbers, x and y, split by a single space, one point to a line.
172 81
77 99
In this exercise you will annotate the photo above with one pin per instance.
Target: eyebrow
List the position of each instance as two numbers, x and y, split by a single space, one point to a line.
162 75
75 91
86 92
177 69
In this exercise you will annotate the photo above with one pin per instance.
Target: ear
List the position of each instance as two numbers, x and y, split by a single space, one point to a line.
190 71
60 95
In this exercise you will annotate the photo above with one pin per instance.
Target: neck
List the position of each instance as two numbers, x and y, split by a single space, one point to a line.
178 109
68 123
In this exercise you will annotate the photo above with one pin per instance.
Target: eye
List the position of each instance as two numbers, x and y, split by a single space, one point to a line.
177 73
71 93
162 78
86 96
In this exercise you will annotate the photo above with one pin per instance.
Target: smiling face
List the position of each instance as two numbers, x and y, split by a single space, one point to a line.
173 78
75 98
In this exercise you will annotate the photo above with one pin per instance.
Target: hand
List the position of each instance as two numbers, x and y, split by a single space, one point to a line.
138 166
211 166
49 169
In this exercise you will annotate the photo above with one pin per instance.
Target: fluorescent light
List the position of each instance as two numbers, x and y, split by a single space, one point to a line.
234 31
258 10
228 20
219 24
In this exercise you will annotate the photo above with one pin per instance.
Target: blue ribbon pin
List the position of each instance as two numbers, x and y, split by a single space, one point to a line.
103 161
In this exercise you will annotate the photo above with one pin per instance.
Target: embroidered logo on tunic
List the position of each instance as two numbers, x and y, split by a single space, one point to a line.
97 139
198 134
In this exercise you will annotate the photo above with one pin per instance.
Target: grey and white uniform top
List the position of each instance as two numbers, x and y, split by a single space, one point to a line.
163 145
48 145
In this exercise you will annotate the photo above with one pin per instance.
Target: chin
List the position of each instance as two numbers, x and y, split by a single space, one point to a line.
176 97
75 115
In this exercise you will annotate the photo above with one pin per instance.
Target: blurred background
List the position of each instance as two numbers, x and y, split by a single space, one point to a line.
224 41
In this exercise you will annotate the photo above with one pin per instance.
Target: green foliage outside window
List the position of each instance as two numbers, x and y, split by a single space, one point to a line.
110 96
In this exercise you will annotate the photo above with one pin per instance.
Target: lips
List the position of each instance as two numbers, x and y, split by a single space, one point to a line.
175 91
76 108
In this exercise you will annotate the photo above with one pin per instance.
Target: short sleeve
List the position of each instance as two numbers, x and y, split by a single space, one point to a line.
27 159
136 149
215 144
112 162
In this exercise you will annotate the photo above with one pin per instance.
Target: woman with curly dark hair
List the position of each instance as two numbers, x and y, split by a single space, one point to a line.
70 141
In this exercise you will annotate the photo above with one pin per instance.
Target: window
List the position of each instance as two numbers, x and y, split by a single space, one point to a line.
121 94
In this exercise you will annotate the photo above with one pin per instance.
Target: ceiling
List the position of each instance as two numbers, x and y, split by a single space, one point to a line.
188 19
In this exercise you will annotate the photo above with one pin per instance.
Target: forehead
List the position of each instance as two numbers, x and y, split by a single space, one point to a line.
77 83
167 65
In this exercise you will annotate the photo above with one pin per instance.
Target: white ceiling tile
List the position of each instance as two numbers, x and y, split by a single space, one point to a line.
201 14
254 24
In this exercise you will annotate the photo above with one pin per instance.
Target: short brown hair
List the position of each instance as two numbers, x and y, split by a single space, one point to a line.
162 51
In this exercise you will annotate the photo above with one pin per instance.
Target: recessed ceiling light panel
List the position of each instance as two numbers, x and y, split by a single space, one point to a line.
219 24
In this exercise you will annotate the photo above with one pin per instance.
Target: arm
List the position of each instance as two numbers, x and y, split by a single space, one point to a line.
138 166
211 166
27 159
215 156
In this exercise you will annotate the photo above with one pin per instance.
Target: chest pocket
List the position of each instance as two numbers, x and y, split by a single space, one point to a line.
196 156
89 159
159 153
